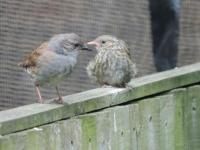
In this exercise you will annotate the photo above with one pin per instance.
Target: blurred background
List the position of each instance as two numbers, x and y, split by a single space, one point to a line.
161 34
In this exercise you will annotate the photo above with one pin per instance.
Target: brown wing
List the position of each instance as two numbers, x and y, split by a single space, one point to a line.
30 61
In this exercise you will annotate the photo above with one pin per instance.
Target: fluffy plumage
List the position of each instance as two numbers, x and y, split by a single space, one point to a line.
112 65
53 61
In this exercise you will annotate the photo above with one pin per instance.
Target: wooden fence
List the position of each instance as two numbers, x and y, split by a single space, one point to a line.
160 112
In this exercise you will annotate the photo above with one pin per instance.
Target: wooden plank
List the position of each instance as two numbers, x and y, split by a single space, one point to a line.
13 142
35 139
166 123
149 131
192 118
134 125
88 127
72 134
105 130
161 122
171 121
38 114
55 136
108 129
121 134
180 96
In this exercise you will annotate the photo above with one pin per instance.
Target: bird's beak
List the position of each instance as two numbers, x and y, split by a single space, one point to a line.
94 43
85 47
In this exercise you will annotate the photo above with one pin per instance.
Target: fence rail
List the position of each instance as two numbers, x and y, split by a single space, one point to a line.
159 111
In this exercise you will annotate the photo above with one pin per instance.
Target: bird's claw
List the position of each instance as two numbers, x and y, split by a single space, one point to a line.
40 101
128 86
59 101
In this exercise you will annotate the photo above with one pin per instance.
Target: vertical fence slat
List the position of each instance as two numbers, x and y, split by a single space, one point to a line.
192 118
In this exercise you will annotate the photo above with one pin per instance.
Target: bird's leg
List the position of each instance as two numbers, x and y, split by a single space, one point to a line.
39 94
60 100
129 87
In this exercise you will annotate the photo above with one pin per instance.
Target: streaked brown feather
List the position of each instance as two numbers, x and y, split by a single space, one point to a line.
30 61
112 65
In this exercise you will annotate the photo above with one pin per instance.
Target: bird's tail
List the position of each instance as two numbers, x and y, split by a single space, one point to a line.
23 64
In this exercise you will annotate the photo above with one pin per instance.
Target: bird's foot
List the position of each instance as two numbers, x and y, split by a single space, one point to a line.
129 87
40 101
59 100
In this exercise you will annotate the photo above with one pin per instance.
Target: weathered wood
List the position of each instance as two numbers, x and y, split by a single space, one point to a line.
120 128
35 140
89 138
170 121
161 122
71 134
166 122
39 114
180 96
55 136
149 133
108 129
134 125
192 118
13 142
105 130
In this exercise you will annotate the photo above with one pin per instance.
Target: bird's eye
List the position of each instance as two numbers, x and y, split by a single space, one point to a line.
77 45
103 42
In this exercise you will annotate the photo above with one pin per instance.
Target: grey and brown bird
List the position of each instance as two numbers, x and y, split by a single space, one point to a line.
53 61
112 65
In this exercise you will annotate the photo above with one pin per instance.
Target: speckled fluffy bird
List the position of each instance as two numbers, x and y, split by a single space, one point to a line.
112 65
53 61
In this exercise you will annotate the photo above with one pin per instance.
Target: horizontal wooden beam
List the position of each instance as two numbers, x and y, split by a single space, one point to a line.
29 116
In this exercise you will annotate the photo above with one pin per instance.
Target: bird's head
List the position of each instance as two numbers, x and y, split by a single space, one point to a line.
67 43
105 42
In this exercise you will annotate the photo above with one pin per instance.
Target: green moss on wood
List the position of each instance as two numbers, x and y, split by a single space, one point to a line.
89 138
192 118
38 114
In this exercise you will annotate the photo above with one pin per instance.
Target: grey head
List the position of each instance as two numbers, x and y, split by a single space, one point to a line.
107 42
66 43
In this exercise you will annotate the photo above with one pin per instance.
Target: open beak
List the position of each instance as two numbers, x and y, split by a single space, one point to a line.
85 47
94 43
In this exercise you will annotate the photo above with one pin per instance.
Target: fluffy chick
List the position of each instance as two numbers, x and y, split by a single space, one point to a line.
112 65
